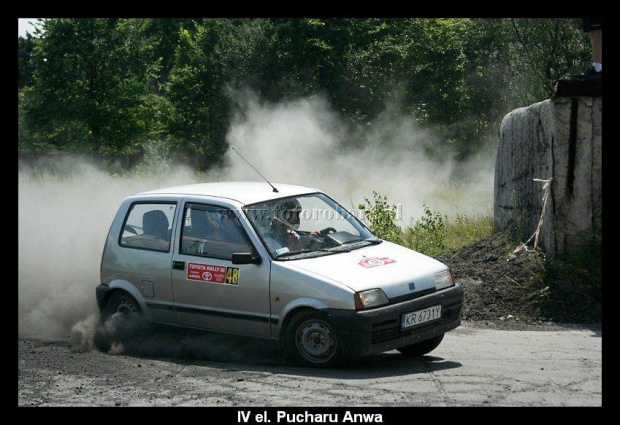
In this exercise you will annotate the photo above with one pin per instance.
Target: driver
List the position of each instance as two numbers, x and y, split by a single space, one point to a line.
284 224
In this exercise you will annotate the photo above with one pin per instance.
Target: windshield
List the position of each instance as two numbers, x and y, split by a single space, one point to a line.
307 225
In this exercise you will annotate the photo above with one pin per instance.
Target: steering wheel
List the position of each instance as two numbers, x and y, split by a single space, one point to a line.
326 231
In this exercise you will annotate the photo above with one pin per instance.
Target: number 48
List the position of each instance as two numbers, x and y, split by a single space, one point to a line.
232 276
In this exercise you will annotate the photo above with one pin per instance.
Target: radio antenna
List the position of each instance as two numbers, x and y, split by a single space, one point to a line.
274 189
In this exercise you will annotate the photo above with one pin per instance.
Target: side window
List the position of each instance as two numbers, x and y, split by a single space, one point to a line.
148 226
212 232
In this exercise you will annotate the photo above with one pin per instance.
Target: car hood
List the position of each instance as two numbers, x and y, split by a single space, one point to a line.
395 269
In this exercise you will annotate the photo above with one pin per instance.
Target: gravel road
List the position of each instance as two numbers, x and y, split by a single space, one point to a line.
474 366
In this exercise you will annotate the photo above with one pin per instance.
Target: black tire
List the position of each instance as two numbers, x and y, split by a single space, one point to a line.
311 340
122 319
421 348
123 303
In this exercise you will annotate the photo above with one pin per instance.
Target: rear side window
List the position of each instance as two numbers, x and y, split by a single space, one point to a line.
212 232
148 226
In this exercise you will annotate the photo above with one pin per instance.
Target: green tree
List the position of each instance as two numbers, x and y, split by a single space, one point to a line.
542 50
90 88
214 59
128 86
194 90
160 38
25 47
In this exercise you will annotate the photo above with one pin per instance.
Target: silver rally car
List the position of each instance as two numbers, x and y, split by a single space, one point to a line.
287 263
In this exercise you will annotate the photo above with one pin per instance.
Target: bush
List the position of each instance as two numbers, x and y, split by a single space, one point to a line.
428 234
432 234
381 217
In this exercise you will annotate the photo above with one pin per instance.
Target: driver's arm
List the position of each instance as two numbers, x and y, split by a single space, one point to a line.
310 238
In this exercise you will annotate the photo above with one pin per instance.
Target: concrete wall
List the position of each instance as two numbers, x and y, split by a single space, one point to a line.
559 138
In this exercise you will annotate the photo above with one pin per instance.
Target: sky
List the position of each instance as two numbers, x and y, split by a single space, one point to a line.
26 25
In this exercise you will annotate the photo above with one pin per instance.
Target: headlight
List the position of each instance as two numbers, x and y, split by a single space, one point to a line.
444 279
370 298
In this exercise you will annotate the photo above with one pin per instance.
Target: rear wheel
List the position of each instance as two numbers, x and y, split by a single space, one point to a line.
421 348
311 340
122 321
123 304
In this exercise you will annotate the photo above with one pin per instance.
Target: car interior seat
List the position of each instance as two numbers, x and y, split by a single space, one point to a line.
155 223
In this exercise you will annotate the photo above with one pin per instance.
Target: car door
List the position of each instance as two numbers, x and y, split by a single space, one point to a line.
210 291
141 254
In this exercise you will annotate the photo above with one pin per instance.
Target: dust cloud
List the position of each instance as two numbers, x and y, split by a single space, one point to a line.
303 142
63 221
63 218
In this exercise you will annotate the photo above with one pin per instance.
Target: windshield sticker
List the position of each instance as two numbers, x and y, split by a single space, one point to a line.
213 273
375 261
282 250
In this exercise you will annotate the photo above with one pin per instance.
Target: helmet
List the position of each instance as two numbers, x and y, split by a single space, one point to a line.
285 210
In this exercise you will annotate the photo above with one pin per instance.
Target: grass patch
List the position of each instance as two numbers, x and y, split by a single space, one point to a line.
464 230
432 234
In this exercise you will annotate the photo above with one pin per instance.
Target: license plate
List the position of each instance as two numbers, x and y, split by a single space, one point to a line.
421 316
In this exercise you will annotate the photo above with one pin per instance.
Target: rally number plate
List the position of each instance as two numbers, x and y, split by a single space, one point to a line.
421 316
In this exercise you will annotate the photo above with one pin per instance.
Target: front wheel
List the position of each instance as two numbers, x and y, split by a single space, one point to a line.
421 348
311 340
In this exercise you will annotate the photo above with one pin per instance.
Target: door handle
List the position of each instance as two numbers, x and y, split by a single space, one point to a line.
178 265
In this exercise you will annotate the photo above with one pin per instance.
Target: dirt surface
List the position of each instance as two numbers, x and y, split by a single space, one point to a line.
471 367
523 290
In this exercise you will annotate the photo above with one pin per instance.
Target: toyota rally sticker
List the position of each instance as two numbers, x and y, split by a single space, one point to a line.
375 261
213 273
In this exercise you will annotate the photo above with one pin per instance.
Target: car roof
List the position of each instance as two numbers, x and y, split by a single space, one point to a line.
243 192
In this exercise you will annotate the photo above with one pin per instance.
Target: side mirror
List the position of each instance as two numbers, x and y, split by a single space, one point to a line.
245 258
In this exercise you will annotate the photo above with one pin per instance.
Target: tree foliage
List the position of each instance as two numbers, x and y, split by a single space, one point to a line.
90 90
109 86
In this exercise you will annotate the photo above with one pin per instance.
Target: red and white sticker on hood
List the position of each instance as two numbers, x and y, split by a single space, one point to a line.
375 261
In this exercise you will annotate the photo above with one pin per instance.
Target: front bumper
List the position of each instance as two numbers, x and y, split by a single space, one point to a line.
378 330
